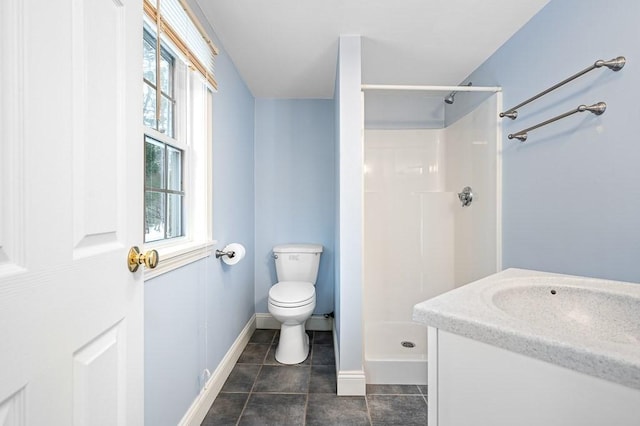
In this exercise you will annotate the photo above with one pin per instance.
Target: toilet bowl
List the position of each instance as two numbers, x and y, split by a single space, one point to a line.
292 303
292 300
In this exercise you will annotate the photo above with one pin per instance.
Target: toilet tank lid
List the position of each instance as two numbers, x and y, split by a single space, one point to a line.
298 248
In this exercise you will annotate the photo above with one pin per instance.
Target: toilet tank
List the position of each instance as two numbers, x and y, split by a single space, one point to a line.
297 262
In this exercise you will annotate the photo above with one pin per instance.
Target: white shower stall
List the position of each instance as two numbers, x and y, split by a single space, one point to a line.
419 241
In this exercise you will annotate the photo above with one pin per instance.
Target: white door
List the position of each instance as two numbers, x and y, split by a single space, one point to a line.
71 326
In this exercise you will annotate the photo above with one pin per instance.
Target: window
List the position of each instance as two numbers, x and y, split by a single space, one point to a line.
163 192
163 189
177 113
164 121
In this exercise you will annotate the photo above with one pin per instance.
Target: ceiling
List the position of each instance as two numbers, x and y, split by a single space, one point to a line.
289 48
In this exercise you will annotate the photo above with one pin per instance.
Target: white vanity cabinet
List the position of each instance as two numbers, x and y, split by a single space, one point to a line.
473 383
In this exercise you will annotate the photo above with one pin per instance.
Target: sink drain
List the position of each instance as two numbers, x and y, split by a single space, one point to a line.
408 344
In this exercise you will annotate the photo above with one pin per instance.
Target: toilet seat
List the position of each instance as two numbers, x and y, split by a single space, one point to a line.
292 294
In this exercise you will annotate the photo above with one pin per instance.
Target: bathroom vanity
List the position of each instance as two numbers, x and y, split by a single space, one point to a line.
532 348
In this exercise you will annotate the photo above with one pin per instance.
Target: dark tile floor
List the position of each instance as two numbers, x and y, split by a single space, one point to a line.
260 391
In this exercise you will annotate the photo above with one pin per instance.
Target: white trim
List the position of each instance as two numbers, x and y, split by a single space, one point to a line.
315 323
336 351
499 151
319 323
336 348
177 256
348 382
200 406
267 321
352 382
432 88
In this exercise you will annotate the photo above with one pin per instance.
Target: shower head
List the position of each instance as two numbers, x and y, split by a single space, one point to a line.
451 98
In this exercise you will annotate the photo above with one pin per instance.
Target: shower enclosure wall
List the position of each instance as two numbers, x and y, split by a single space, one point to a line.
419 240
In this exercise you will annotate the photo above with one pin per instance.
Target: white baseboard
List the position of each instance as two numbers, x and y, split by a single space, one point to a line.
336 348
350 382
200 406
316 322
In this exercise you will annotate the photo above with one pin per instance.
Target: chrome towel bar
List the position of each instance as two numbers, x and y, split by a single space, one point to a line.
598 109
615 64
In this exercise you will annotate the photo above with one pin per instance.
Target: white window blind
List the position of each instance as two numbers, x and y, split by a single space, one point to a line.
178 22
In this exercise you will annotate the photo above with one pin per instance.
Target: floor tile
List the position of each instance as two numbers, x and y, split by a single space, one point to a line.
261 391
397 410
271 358
262 336
226 409
393 390
309 333
323 355
254 353
242 378
265 409
323 379
323 337
330 409
285 379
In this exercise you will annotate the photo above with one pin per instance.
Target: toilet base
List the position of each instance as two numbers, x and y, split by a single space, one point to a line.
293 346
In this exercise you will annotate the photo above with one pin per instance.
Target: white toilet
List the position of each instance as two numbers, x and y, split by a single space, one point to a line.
293 298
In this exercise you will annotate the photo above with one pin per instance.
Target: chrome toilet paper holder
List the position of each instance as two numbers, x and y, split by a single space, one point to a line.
231 254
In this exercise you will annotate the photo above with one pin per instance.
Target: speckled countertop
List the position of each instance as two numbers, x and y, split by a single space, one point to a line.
585 324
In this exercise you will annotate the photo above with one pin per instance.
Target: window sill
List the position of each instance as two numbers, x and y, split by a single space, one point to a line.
177 256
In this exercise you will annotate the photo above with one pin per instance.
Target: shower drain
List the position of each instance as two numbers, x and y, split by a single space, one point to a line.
408 344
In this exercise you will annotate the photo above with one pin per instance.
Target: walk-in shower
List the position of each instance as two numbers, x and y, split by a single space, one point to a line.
420 239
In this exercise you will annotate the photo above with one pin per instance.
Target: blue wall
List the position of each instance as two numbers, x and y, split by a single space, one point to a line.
571 192
403 110
173 349
295 187
194 314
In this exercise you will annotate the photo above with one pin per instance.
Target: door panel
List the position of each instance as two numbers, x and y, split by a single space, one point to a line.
98 379
71 188
12 411
12 134
98 122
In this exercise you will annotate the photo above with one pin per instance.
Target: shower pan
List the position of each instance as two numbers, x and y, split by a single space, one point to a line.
420 240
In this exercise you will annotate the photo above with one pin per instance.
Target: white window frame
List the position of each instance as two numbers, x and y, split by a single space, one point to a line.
197 242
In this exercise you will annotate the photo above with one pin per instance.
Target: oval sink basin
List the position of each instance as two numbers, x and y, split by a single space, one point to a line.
573 310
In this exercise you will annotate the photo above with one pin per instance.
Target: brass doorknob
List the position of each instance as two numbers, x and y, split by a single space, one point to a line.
135 259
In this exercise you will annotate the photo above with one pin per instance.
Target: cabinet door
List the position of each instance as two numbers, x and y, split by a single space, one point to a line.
479 384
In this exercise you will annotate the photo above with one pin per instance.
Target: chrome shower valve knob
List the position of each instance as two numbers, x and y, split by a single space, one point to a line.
466 196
